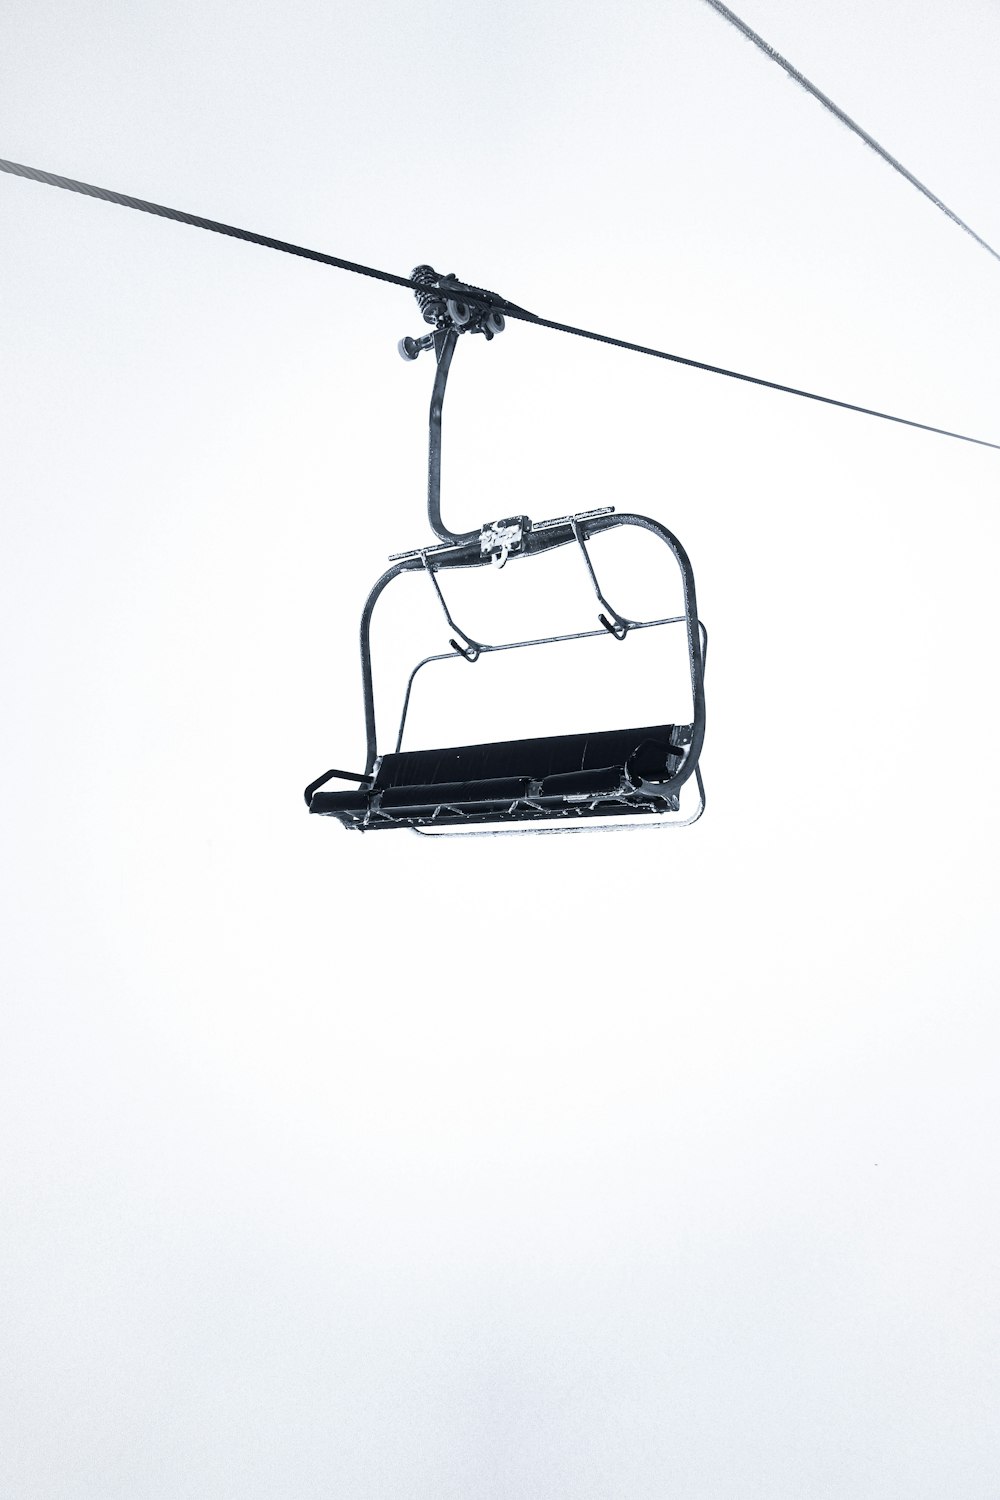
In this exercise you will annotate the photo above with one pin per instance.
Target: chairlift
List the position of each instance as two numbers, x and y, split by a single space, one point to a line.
552 784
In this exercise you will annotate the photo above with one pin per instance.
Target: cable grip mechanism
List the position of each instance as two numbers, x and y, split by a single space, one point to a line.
447 303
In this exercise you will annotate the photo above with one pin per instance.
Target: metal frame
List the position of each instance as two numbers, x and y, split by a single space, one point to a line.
612 825
514 539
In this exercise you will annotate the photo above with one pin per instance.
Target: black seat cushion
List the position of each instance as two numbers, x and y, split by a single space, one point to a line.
565 770
537 759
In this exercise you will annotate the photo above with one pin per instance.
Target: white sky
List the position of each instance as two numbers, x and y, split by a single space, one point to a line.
591 1168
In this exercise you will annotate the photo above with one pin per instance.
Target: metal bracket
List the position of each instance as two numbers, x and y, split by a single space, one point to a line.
490 539
470 650
618 625
498 539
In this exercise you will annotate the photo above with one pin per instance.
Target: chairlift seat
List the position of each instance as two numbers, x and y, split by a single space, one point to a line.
604 776
576 775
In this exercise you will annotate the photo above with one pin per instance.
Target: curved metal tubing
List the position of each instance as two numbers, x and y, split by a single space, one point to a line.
695 658
468 554
367 685
543 640
444 348
538 542
618 625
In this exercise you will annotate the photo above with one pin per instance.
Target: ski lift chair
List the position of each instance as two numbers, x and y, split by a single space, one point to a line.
557 783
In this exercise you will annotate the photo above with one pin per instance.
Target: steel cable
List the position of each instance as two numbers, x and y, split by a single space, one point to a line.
845 119
108 195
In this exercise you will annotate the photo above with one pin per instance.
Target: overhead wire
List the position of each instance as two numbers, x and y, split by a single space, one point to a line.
845 119
460 289
768 385
179 216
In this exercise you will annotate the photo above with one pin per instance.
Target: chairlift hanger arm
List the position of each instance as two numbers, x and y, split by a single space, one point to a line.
451 308
635 772
444 349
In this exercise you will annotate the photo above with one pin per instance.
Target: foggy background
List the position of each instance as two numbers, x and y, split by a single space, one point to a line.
581 1167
